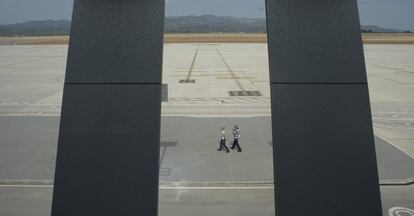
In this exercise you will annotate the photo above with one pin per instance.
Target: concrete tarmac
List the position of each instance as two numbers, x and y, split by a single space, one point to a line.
188 153
195 178
195 201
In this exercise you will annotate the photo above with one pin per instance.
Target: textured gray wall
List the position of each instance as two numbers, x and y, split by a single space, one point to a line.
116 42
324 153
108 151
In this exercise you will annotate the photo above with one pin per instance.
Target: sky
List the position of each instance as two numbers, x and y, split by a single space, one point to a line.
397 14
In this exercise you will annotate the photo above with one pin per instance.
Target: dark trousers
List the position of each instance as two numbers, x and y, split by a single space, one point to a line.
223 145
236 145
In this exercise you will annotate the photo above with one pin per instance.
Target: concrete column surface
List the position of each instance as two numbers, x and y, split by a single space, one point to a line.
108 150
324 152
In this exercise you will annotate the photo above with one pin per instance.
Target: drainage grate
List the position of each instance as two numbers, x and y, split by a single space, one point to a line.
187 81
245 93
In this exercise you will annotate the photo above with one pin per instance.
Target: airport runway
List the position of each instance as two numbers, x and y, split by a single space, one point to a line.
195 178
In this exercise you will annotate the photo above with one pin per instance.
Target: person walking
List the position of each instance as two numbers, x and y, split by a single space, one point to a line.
236 135
223 141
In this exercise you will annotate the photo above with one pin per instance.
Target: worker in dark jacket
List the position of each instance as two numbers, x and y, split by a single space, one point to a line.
223 141
236 135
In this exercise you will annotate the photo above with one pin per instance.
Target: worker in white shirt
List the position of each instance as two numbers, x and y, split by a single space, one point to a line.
223 141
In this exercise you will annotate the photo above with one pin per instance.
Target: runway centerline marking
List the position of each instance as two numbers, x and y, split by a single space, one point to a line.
236 79
190 70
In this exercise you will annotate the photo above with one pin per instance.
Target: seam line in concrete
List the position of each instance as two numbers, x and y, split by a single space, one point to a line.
113 83
320 83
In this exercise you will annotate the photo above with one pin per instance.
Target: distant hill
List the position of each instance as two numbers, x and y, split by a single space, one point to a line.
210 23
36 28
374 28
184 24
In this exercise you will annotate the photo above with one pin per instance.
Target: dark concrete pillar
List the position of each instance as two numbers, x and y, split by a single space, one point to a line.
324 153
108 151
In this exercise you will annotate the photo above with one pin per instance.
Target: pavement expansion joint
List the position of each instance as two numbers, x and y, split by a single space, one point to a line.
319 83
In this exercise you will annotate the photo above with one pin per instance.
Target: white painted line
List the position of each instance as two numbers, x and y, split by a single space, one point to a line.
161 188
26 186
217 188
400 211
